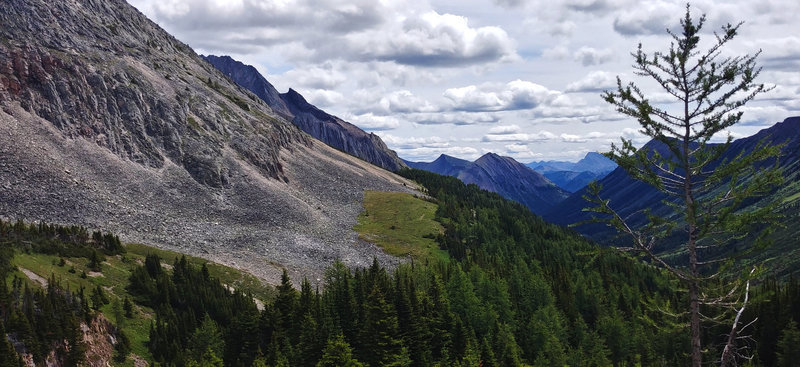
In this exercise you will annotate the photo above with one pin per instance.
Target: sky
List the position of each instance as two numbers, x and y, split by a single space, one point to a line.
520 78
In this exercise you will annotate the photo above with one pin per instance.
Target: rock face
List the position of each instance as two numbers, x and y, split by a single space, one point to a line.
107 121
502 175
249 78
329 129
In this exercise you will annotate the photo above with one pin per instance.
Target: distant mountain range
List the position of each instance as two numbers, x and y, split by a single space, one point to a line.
502 175
329 129
573 176
629 196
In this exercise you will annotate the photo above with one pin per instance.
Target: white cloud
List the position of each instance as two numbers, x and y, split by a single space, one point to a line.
370 121
432 39
589 56
322 97
648 18
594 82
504 129
515 95
520 137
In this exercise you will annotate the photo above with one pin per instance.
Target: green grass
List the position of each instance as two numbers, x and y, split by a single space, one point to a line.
114 279
235 278
402 224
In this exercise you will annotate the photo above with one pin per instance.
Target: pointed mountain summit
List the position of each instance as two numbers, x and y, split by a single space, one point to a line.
109 122
329 129
249 78
443 165
503 175
573 176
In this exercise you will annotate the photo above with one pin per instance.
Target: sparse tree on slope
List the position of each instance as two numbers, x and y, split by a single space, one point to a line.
705 190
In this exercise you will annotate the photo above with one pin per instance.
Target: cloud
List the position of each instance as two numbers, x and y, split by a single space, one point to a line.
323 97
371 122
594 82
404 101
520 137
589 56
457 118
570 138
354 30
515 95
505 129
436 40
647 18
323 76
559 52
415 142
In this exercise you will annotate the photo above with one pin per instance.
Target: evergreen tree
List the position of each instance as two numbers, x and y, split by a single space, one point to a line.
380 336
789 346
338 353
127 307
8 357
206 337
708 89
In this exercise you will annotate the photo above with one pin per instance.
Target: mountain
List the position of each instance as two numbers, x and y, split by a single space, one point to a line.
502 175
628 196
443 165
249 78
572 181
329 129
340 134
591 162
573 176
107 121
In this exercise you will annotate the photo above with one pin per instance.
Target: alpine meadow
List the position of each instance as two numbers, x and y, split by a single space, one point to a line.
440 184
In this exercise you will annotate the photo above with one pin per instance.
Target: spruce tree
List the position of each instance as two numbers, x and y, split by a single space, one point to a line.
704 189
338 353
8 357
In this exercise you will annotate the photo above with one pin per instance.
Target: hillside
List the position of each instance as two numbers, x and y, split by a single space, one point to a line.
502 175
329 129
109 122
629 196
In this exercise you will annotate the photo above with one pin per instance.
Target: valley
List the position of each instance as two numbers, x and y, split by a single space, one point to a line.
161 207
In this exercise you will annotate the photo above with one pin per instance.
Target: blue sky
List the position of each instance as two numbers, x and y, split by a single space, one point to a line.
520 78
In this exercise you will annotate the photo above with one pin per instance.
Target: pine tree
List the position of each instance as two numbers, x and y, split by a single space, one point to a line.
8 357
337 353
789 346
704 189
380 335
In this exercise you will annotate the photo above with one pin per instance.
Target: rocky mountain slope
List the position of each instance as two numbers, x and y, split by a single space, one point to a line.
109 122
249 78
329 129
502 175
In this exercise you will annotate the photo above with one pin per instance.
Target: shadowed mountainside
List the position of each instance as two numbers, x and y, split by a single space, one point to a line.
502 175
628 196
329 129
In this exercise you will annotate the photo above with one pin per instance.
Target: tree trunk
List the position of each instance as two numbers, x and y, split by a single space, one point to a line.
694 306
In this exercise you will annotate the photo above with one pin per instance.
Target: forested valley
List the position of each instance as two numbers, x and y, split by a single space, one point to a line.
515 291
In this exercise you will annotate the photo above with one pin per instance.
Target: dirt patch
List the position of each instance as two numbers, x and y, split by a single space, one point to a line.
34 277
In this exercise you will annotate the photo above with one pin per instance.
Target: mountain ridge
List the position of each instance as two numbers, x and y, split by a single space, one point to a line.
502 175
628 196
319 124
